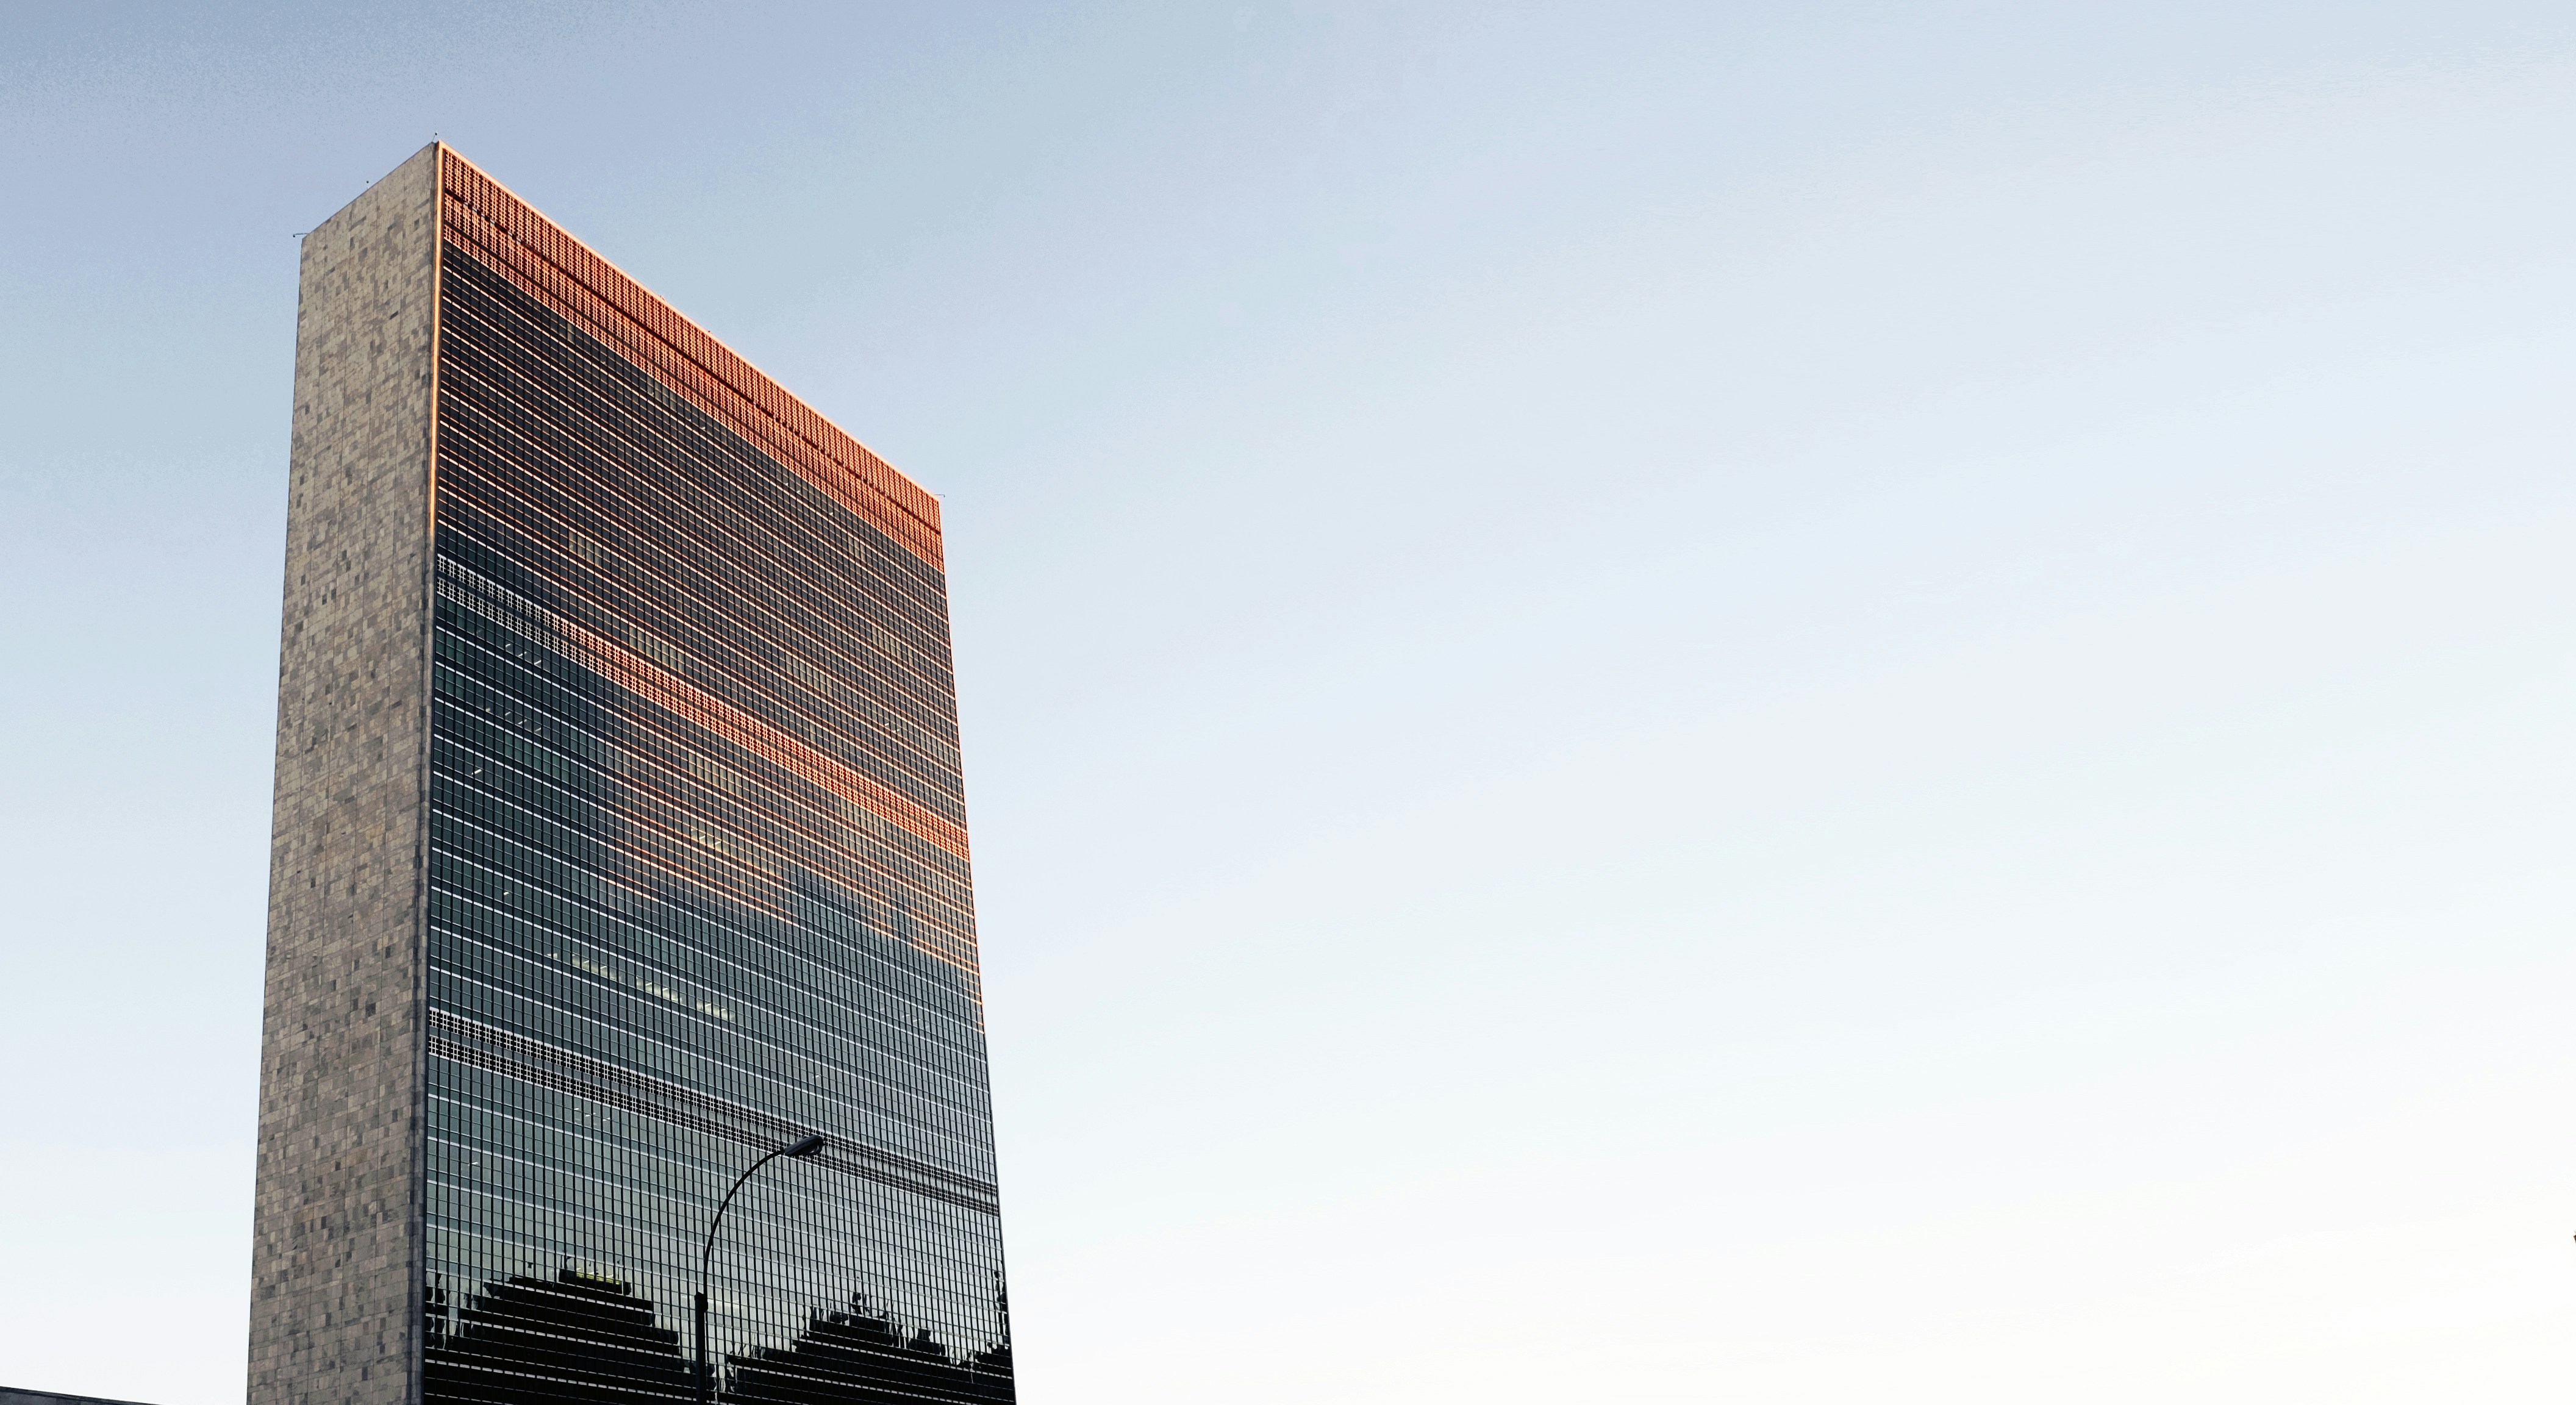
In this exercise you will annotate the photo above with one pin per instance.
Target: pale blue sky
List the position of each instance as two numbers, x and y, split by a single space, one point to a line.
1798 703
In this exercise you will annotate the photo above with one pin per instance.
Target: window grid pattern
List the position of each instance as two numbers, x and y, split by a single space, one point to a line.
699 888
564 274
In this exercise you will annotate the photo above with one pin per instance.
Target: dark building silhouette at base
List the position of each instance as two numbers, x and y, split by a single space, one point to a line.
574 1339
859 1354
579 1339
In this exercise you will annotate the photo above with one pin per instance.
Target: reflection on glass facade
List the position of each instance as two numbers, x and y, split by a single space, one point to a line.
696 880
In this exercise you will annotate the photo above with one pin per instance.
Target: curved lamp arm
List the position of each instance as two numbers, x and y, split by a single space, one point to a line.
706 1256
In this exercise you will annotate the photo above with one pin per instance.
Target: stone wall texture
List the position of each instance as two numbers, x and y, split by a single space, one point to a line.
337 1235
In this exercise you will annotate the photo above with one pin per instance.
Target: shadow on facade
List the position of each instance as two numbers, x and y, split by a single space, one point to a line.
581 1339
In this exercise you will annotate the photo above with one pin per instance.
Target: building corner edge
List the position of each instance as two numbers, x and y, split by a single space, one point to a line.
337 1252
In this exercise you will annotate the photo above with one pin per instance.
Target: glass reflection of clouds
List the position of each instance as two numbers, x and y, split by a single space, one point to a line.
699 888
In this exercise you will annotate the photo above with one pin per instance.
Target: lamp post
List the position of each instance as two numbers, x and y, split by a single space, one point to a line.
805 1148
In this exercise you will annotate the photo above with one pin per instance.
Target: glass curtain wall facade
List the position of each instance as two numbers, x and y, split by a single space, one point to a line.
695 879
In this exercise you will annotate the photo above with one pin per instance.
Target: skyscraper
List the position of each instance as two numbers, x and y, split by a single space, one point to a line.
619 841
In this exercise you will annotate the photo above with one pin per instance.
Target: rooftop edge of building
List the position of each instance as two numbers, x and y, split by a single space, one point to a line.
10 1396
504 231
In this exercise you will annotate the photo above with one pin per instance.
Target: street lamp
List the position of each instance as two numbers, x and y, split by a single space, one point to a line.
805 1148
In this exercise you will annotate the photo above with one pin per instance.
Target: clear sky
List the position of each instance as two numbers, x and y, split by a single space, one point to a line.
1754 703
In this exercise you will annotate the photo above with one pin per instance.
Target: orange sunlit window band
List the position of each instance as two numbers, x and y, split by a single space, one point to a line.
699 874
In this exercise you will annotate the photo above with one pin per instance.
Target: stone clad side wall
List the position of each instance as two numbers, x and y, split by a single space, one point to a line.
337 1235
